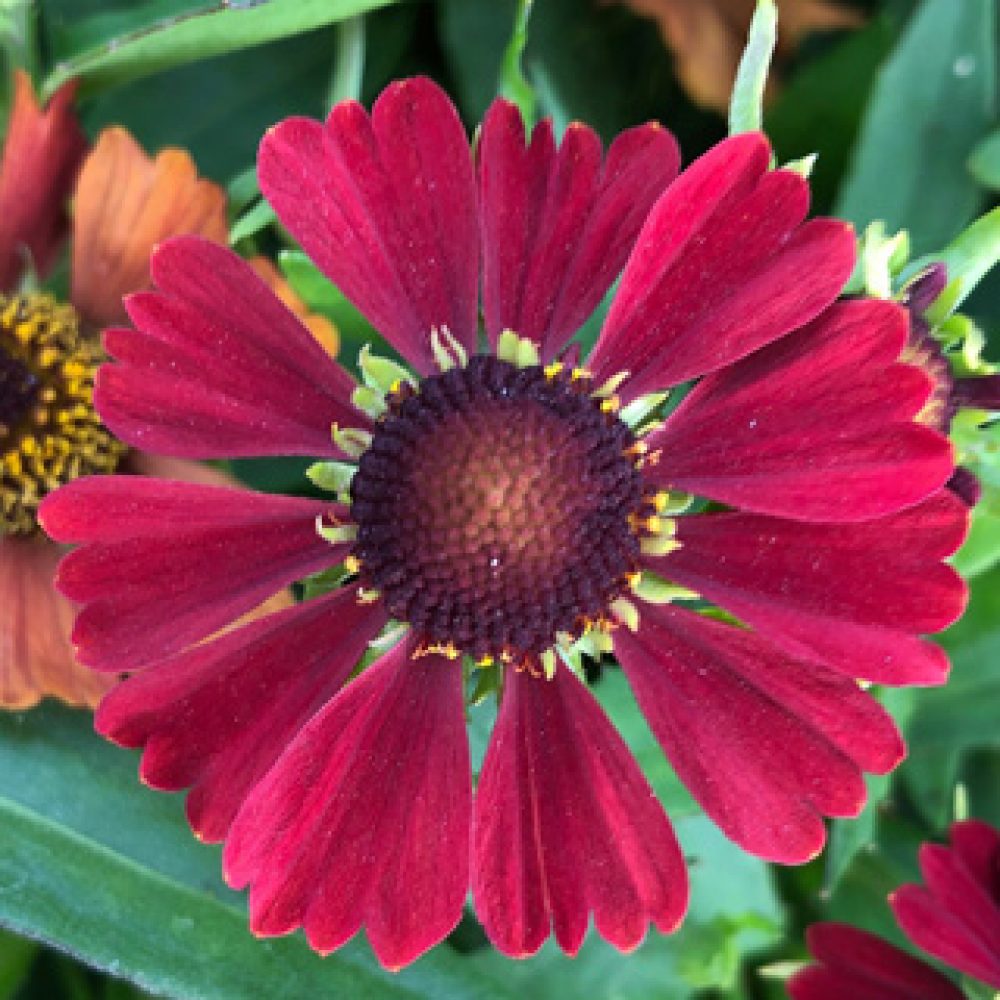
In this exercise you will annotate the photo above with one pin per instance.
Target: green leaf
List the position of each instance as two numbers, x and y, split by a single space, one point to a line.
850 836
860 897
349 64
474 36
969 258
513 85
208 30
984 163
932 102
964 712
219 108
251 222
97 865
17 955
746 105
810 115
981 550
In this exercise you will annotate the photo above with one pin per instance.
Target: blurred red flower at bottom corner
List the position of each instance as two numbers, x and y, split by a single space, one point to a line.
955 918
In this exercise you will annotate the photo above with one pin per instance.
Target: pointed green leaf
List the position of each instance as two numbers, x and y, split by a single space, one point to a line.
513 84
969 257
933 100
746 105
210 30
984 163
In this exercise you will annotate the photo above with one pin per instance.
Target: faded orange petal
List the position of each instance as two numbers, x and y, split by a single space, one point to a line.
126 203
320 327
707 37
36 656
41 156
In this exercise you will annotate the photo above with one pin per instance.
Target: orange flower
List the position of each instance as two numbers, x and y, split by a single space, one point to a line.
41 156
125 203
707 37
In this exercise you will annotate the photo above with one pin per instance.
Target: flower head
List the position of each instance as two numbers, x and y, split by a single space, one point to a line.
955 918
124 203
952 392
496 513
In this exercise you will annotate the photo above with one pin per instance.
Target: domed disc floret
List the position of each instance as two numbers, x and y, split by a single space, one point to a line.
496 508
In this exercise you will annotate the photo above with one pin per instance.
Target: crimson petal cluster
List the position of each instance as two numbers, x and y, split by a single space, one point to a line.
955 917
349 802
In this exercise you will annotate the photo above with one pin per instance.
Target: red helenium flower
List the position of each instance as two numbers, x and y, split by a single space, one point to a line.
955 918
852 962
951 392
504 507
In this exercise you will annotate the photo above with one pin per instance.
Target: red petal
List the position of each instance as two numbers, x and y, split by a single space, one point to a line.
365 818
977 845
167 564
386 207
768 745
219 715
956 918
218 367
556 227
856 963
566 825
816 427
853 596
42 153
723 265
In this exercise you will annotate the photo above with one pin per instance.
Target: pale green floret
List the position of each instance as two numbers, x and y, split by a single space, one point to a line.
352 441
625 611
654 589
448 352
382 374
518 351
392 634
611 386
549 663
803 166
369 401
335 534
640 408
593 643
334 477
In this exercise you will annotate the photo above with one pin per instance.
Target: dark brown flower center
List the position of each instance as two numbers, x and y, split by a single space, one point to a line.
493 509
49 432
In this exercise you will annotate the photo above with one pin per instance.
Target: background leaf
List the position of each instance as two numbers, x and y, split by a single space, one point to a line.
933 101
186 34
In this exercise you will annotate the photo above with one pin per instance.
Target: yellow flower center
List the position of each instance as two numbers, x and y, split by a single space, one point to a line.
49 430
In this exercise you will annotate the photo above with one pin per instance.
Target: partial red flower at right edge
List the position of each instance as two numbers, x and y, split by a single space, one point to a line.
502 504
955 917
